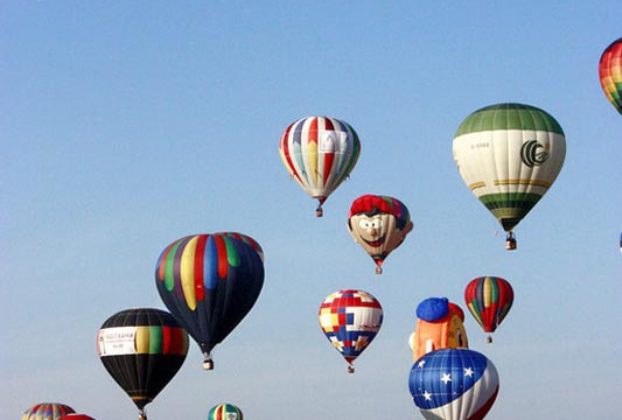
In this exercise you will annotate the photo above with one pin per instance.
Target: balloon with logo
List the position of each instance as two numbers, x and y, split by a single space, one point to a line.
509 155
210 282
47 411
489 300
379 224
319 153
76 417
610 72
142 349
454 384
350 319
225 412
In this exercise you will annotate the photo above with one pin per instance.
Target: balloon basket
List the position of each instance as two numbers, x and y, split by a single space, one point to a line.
319 212
378 270
489 339
208 365
350 369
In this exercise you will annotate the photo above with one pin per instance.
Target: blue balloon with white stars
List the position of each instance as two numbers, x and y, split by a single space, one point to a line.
454 384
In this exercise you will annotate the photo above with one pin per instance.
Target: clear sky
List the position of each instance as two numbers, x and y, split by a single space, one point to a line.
126 125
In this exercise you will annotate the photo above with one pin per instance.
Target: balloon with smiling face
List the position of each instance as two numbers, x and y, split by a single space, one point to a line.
379 224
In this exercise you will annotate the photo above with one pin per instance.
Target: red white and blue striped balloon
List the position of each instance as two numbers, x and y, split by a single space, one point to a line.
319 153
454 384
47 411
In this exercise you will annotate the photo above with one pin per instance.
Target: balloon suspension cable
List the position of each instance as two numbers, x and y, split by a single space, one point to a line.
208 363
350 369
489 339
510 241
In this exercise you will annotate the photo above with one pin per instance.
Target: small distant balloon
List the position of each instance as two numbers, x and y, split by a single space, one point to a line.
489 300
350 319
319 153
379 224
610 73
454 384
47 411
225 412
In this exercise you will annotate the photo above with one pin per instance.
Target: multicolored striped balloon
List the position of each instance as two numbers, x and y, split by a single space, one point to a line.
610 72
225 412
210 282
319 153
509 155
350 319
379 224
142 349
489 300
47 411
454 384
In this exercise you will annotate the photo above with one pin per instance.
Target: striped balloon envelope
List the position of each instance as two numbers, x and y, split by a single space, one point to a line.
225 412
319 153
47 411
454 384
509 155
210 282
489 300
142 349
610 73
350 319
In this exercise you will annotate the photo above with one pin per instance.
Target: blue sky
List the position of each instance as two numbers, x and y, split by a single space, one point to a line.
125 126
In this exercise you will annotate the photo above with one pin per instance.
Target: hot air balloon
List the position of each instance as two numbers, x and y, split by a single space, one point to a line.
350 319
210 282
142 349
76 417
509 155
440 325
621 242
47 411
319 153
489 300
454 384
225 412
379 224
610 72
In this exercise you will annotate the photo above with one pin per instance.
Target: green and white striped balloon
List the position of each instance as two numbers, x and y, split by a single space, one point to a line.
509 155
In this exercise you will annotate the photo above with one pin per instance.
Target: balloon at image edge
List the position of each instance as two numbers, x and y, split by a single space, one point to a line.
454 384
509 155
47 411
489 300
350 319
610 73
225 412
76 417
319 153
210 282
142 349
379 224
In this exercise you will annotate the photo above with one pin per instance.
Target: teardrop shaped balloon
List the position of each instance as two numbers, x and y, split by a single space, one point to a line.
379 224
76 417
350 319
47 411
142 349
489 300
454 384
210 282
225 412
610 73
509 155
319 153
